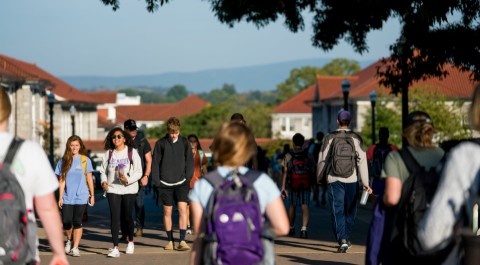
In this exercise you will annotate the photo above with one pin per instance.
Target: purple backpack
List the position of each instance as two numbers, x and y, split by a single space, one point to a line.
234 221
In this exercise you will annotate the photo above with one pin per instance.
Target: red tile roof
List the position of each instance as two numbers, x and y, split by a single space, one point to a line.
103 97
29 71
161 112
456 85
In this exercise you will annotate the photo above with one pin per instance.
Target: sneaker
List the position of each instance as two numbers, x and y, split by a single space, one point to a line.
292 232
303 234
139 232
68 246
343 246
114 253
130 248
169 245
182 246
75 252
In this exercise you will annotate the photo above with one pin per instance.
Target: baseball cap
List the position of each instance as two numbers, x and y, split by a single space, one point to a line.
130 125
344 115
418 116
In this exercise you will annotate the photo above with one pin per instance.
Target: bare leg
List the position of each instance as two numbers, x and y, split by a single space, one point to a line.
182 211
167 217
77 235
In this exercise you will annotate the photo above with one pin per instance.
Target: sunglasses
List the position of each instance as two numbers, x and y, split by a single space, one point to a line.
118 136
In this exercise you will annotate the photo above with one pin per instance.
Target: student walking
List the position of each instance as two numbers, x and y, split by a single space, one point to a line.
298 171
199 169
34 173
74 172
233 148
172 170
120 171
145 152
342 160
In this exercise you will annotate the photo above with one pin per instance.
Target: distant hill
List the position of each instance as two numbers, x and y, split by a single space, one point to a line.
248 78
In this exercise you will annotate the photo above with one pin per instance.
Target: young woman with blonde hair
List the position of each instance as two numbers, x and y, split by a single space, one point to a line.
74 172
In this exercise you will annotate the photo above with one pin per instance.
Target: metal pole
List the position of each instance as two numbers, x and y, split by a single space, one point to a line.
345 101
373 122
50 104
73 124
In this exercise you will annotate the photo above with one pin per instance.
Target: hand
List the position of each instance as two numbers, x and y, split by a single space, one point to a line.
144 181
104 186
59 260
60 202
284 193
91 200
123 179
369 190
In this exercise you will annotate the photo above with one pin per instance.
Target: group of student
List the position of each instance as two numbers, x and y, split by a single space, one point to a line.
179 176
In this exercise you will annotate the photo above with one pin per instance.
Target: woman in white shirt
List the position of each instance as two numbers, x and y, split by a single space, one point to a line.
121 169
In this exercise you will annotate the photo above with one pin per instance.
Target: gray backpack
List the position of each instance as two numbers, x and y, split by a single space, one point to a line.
17 231
343 154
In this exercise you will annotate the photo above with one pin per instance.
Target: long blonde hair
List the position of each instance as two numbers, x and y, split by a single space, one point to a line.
67 158
5 105
233 145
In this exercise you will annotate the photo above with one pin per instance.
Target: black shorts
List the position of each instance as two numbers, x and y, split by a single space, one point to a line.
167 196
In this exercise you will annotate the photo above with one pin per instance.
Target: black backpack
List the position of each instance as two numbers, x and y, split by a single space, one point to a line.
17 231
417 193
343 154
379 155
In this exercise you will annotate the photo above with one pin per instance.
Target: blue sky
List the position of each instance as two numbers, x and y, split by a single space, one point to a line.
84 37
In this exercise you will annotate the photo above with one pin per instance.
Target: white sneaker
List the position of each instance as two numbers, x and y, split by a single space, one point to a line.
75 252
114 253
130 248
68 246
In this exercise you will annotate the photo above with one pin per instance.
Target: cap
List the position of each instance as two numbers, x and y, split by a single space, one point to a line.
418 116
130 125
344 115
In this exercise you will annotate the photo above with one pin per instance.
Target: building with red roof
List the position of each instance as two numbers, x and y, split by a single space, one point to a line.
326 99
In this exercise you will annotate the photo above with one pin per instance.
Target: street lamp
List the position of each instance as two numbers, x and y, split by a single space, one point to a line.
73 110
345 91
373 100
51 101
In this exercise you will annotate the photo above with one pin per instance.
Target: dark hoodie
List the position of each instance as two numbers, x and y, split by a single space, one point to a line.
172 162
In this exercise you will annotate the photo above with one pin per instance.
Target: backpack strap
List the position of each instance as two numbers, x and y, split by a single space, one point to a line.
130 155
409 160
12 150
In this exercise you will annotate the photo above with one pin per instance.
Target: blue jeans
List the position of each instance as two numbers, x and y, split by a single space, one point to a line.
140 208
342 200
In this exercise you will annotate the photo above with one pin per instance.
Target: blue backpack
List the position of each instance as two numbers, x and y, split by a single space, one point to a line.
234 221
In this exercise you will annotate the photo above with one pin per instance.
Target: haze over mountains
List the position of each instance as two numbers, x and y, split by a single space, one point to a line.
258 77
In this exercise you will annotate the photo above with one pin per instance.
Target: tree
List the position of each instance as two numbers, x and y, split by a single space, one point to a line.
447 116
304 77
218 95
177 93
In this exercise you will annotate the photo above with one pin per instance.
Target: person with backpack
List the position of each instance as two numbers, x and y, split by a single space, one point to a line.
74 172
298 172
376 155
458 188
27 186
145 152
237 211
120 172
342 160
411 180
199 169
172 170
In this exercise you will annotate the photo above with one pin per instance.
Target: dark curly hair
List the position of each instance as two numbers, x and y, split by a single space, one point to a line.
108 144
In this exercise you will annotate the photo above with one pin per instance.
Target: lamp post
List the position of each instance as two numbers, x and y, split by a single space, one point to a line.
345 91
373 100
73 110
51 101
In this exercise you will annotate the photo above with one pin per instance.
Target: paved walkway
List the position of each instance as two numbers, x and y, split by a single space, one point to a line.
320 248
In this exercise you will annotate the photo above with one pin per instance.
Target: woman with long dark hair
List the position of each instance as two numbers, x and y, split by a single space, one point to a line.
74 172
120 171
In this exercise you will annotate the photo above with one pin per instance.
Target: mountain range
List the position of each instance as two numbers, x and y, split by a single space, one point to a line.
247 78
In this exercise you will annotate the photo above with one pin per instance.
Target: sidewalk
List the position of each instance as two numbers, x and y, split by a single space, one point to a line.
320 248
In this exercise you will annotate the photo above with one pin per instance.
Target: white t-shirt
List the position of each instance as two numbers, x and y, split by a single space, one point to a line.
32 169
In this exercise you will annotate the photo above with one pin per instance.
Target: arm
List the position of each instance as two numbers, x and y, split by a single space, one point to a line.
393 191
50 217
198 225
322 161
204 163
91 199
278 217
103 171
156 158
148 168
136 174
283 191
363 169
61 190
188 162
